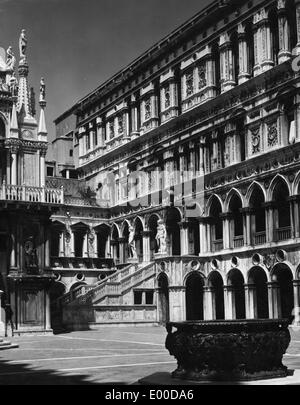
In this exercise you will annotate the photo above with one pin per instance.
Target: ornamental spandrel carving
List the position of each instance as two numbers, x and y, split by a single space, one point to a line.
121 124
189 82
201 77
272 129
167 97
147 109
255 140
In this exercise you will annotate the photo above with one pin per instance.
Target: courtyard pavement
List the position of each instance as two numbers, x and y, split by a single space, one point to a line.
110 355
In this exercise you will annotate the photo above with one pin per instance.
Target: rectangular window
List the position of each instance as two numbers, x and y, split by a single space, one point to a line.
149 297
138 297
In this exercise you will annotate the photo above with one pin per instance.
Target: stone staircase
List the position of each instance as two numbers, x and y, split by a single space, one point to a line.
4 345
111 301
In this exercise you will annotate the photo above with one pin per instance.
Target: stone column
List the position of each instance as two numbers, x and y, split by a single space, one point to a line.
181 164
122 252
177 309
274 300
8 165
192 165
14 167
47 311
42 168
296 218
202 233
2 324
61 244
226 230
146 247
297 48
208 306
13 236
114 255
227 63
47 246
100 132
210 74
201 157
250 301
244 73
184 238
229 301
72 243
257 46
296 286
266 42
269 221
247 226
85 248
284 33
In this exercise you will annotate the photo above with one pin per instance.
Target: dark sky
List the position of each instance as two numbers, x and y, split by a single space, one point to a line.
77 44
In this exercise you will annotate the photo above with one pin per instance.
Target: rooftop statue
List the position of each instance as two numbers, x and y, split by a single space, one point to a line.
10 59
42 90
23 45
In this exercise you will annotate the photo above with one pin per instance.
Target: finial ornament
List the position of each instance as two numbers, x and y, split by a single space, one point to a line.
42 90
10 59
23 45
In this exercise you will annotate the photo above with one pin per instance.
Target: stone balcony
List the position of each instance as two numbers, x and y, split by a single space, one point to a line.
23 193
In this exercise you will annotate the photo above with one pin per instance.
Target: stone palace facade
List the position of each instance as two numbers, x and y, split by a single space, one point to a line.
186 204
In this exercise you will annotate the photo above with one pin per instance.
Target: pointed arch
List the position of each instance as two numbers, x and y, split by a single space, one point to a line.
210 201
296 185
278 178
115 227
233 192
254 185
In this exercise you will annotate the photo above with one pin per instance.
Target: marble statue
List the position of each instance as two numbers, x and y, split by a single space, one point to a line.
131 243
42 90
91 240
10 59
13 84
23 45
161 237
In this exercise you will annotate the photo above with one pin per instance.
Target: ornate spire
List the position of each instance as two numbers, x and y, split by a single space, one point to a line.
24 105
42 132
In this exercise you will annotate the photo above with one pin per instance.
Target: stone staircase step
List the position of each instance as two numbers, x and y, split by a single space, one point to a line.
5 344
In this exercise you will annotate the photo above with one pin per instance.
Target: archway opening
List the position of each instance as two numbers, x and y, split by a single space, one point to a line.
217 225
139 239
258 278
194 297
235 207
80 233
152 225
163 299
258 217
173 229
236 283
216 284
194 237
283 276
103 232
282 215
115 250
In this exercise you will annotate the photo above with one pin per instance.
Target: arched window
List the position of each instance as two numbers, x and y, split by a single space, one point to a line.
217 225
258 216
237 228
282 215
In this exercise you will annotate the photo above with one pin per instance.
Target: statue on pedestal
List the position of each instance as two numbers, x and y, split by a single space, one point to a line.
22 46
10 59
42 90
131 243
161 237
91 240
